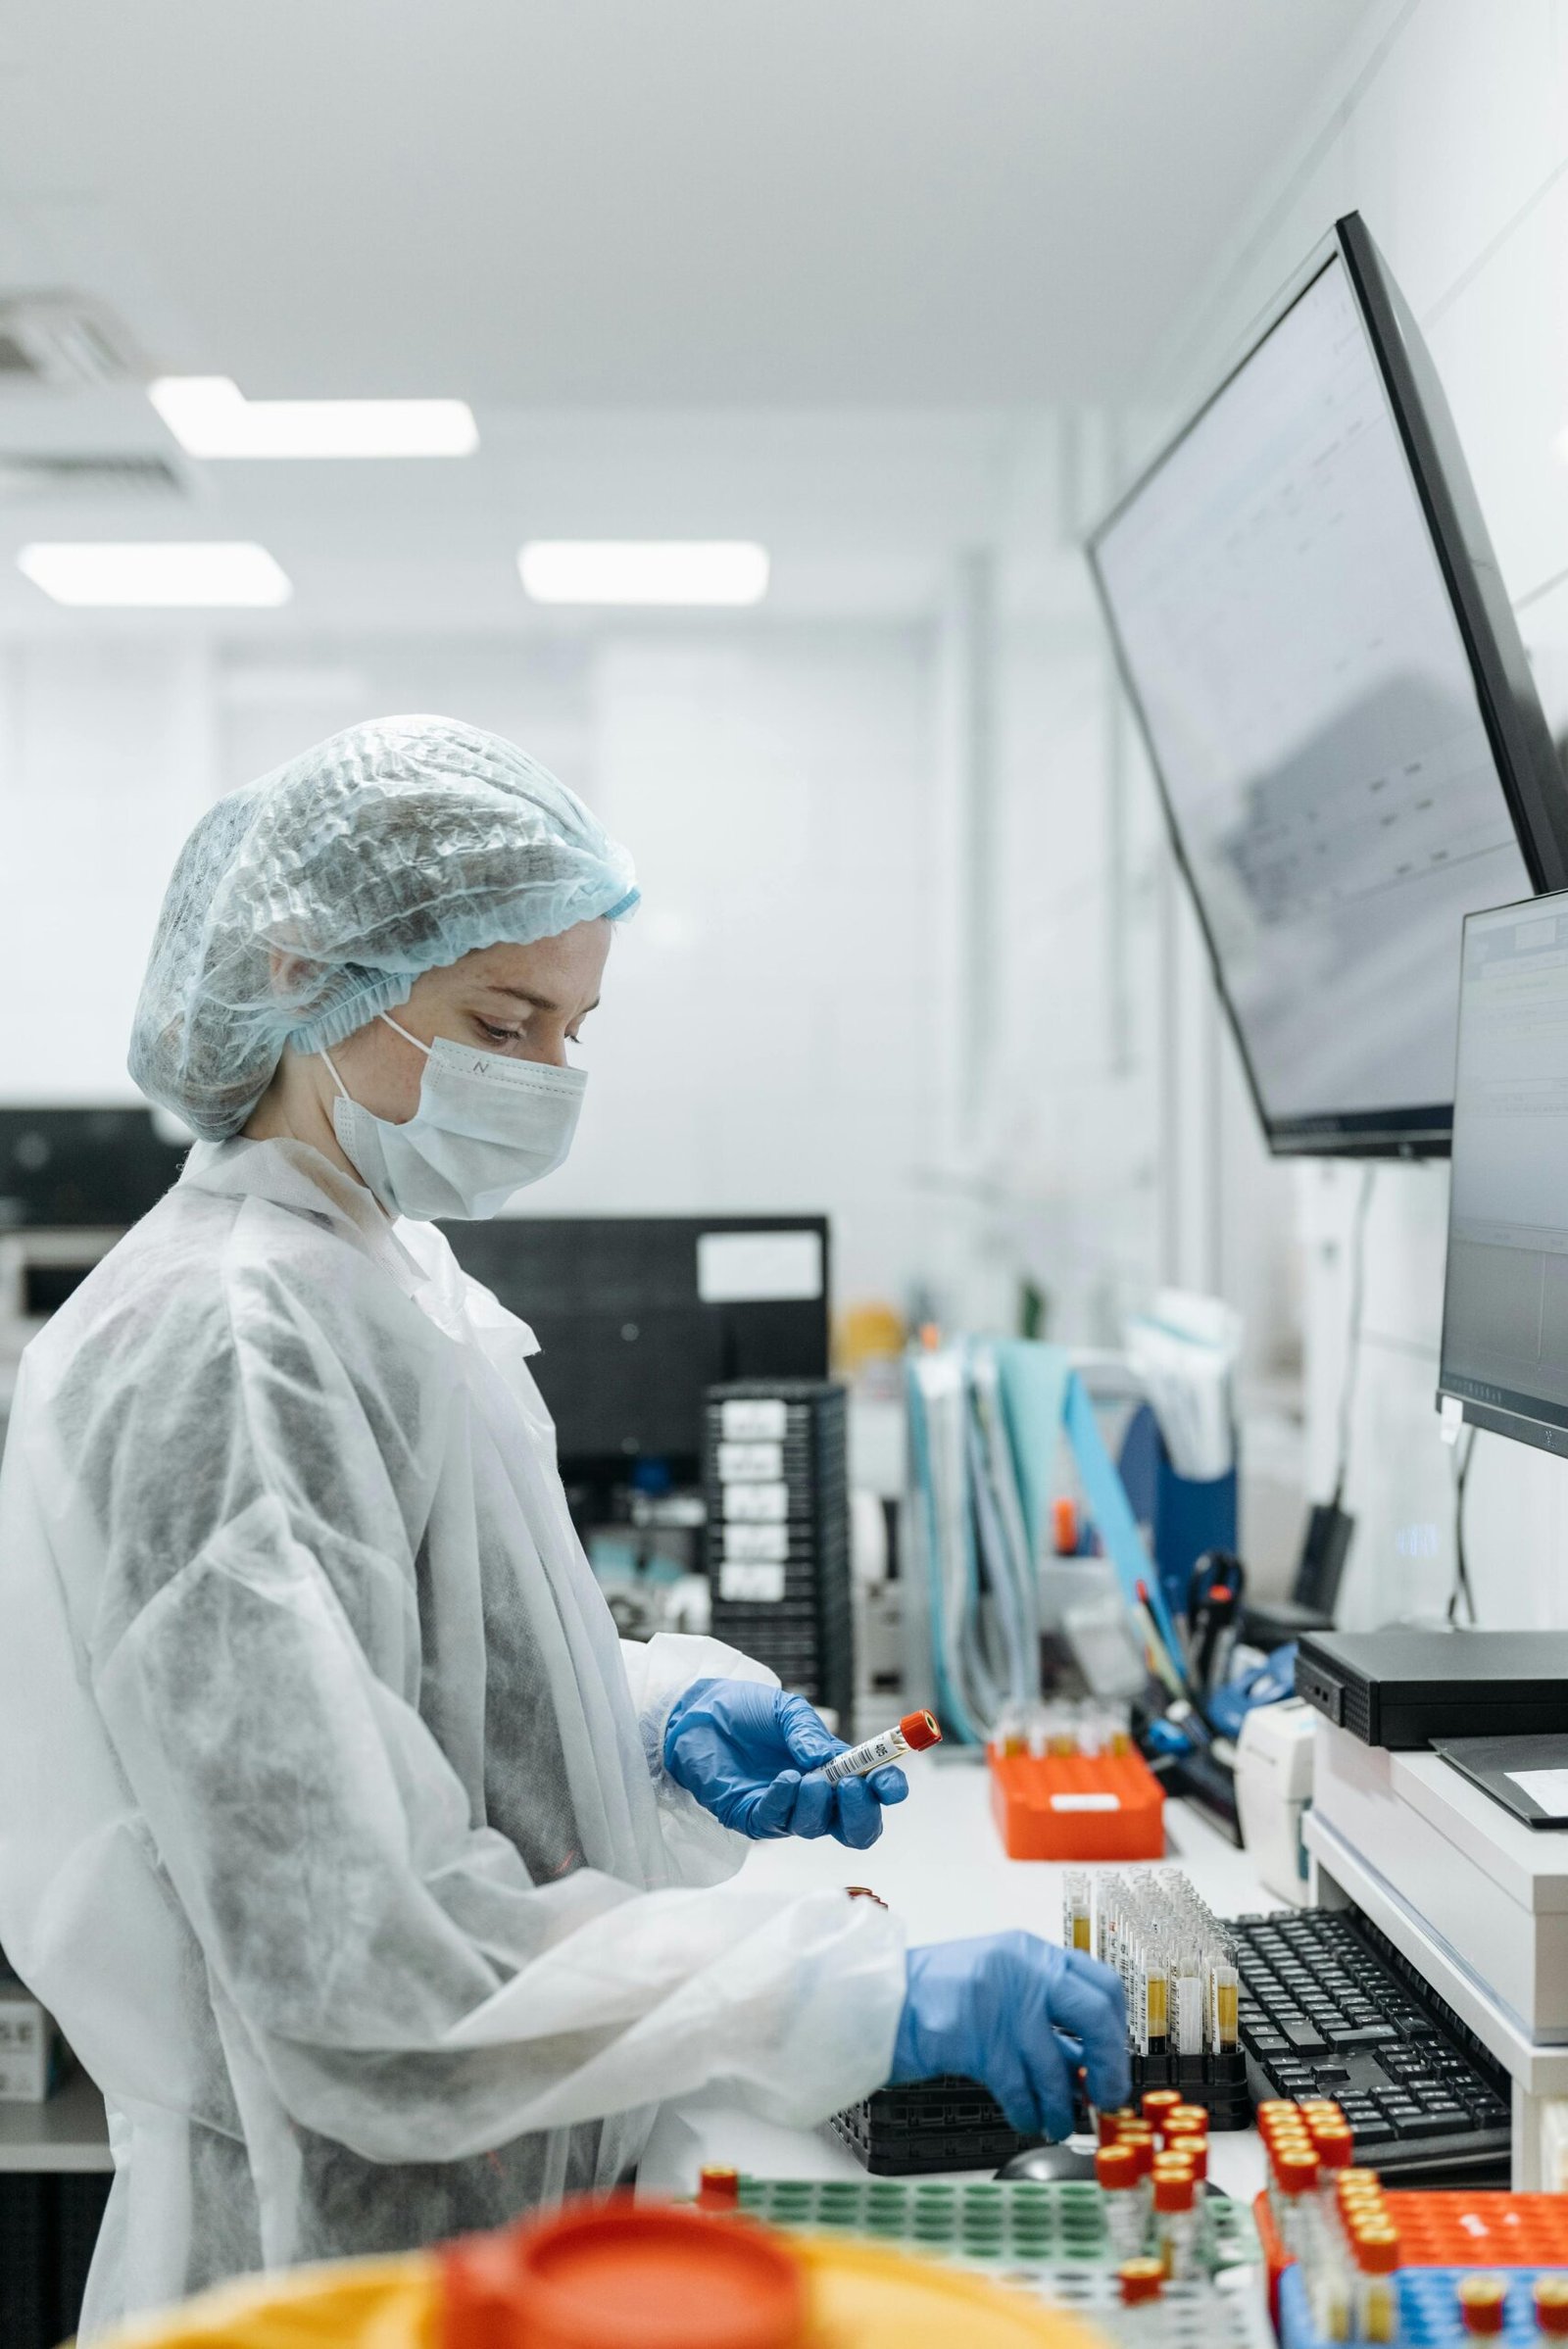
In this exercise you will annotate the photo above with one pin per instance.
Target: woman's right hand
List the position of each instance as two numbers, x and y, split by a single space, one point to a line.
1021 2016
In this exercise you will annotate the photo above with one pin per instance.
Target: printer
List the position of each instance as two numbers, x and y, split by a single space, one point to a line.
1471 1895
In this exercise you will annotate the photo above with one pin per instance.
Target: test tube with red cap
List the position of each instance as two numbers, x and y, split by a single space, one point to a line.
1484 2305
1550 2304
1119 2176
912 1735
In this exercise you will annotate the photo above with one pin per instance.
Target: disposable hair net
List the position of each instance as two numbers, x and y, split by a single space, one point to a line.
307 903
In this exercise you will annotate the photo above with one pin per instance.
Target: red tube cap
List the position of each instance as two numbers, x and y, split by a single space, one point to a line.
920 1729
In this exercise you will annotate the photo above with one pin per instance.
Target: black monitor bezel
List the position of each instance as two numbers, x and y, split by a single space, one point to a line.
1527 763
1502 1411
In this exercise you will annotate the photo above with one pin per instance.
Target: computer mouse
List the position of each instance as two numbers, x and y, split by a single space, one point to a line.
1048 2164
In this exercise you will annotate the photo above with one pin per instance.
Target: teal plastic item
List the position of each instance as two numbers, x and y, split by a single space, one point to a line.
1034 1380
1112 1514
1014 2223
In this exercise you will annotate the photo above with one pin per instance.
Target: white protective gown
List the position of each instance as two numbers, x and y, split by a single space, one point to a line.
333 1826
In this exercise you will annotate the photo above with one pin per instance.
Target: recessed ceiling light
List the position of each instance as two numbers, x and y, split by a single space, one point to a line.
163 574
644 570
210 417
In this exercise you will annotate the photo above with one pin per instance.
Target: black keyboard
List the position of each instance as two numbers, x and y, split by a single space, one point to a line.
1330 2008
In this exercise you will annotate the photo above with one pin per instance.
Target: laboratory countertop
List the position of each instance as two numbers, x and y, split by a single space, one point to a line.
941 1865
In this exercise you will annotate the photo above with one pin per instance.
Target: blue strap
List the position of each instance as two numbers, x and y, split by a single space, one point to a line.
1112 1514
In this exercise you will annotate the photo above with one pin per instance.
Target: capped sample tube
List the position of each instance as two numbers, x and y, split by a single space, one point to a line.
912 1735
1077 1921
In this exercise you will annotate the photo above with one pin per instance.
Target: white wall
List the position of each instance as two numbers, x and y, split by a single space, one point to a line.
1117 1149
1447 126
767 1035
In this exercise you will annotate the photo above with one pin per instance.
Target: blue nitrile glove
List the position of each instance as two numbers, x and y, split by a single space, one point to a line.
754 1757
1020 2016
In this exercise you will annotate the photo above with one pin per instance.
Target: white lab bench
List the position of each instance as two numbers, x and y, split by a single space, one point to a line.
940 1863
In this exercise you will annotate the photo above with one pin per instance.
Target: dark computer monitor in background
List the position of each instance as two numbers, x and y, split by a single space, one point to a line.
637 1316
1313 630
1504 1354
64 1169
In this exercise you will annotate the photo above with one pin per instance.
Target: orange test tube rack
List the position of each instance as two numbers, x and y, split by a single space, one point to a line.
1077 1806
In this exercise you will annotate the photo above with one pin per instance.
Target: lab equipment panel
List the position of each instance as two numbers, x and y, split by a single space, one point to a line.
638 1317
1402 1688
776 1475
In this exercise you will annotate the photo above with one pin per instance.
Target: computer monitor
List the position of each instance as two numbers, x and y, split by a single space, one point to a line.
1505 1300
1311 629
637 1316
67 1168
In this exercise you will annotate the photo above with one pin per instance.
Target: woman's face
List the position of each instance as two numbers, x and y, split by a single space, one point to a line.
527 1003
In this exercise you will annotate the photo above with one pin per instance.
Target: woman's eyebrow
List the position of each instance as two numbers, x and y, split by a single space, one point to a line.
540 1003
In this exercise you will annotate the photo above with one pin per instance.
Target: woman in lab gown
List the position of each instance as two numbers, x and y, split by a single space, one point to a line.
337 1828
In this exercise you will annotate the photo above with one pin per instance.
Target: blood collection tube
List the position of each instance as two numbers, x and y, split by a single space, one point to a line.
1193 2147
1225 2018
1141 2282
1550 2304
1176 2219
1376 2253
1482 2304
1116 2174
912 1735
718 2187
1296 2197
1159 2105
1137 2137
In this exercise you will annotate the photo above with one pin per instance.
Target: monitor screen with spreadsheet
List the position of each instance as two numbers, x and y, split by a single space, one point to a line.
1337 705
1505 1301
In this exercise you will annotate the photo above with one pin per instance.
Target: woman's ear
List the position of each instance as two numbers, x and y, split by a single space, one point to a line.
293 975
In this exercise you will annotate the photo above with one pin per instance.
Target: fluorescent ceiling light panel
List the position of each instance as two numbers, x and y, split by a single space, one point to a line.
165 574
644 570
210 417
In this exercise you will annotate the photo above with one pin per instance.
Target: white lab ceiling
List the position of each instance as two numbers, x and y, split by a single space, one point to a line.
804 273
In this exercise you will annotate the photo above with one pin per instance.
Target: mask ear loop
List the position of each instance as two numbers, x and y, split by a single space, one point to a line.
404 1033
323 1055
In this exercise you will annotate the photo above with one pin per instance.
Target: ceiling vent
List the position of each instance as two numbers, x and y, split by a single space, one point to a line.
62 342
28 476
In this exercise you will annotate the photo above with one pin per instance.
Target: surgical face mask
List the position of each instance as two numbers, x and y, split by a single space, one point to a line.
485 1127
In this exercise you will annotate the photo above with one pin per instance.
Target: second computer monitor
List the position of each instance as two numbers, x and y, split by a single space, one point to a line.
1505 1303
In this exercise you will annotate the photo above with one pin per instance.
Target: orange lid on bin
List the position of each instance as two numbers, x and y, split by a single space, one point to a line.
624 2275
920 1729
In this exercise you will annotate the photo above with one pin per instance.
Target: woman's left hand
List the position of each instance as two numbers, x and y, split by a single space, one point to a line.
754 1757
